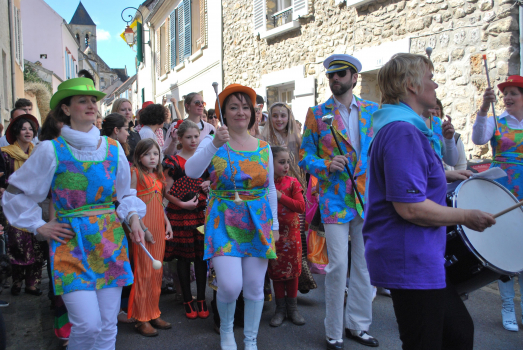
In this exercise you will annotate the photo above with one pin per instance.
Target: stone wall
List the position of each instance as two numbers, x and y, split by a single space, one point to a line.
459 31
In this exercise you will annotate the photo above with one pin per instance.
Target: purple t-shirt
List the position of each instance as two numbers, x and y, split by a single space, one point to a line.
403 168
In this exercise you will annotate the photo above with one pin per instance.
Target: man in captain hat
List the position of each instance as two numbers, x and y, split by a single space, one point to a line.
341 211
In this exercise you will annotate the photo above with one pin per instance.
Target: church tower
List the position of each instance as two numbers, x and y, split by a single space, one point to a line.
83 28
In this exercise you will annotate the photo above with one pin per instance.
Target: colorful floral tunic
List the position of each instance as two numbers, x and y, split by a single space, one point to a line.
288 248
338 201
240 230
507 148
96 257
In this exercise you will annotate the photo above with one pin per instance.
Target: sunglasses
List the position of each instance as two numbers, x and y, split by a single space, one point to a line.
200 103
341 74
213 117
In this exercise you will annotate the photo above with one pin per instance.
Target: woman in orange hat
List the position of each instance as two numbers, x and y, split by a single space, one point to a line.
238 233
507 154
24 251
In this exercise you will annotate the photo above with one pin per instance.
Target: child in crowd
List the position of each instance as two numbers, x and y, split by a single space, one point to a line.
286 269
186 212
148 180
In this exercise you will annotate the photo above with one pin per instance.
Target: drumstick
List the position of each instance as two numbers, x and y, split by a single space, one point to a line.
517 205
492 103
156 263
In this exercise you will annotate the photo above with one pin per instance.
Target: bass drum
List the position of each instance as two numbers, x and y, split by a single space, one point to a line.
474 259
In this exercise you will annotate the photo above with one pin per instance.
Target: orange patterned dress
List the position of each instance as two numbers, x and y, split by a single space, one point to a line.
145 293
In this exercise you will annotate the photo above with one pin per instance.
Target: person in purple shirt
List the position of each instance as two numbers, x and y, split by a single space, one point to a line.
406 213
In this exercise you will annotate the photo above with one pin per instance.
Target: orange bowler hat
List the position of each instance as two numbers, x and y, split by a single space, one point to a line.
513 80
230 90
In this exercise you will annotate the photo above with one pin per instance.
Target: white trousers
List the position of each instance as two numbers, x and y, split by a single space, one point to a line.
93 315
358 311
234 273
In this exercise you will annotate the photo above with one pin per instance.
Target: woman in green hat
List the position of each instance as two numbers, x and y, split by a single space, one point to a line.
87 173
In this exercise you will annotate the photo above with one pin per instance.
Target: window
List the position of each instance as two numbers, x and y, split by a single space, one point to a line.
275 20
286 94
143 96
86 40
66 57
77 36
188 30
4 78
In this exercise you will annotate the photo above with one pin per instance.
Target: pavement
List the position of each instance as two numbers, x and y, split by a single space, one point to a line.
29 325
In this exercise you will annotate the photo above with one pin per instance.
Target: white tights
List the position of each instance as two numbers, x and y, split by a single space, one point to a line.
93 315
234 273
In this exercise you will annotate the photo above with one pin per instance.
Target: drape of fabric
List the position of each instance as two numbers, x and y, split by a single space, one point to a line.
15 152
507 146
145 293
292 141
403 113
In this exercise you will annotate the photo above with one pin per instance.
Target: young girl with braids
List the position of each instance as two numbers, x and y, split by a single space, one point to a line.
186 212
148 180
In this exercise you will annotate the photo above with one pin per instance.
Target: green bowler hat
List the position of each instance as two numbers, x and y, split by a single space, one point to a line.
75 87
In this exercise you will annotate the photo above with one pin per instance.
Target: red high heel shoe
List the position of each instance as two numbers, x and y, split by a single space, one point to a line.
203 312
190 311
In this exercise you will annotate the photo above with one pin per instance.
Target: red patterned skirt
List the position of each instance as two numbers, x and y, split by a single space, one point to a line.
187 242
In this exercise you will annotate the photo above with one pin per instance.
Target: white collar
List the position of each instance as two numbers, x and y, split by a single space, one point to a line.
339 104
80 139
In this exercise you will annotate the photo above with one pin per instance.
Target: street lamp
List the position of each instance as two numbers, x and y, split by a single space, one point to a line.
129 36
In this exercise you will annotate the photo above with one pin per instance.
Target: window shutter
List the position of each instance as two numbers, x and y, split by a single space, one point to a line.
173 38
158 65
181 33
300 8
203 23
259 16
20 42
66 65
187 18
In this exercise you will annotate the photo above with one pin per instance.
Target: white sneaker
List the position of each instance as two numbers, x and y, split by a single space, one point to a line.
509 320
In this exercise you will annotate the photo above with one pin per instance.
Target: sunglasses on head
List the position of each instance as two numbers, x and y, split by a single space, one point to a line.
341 74
200 103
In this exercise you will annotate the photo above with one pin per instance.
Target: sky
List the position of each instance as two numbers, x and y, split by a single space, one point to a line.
106 14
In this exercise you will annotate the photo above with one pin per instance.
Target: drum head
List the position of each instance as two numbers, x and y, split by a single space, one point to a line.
502 244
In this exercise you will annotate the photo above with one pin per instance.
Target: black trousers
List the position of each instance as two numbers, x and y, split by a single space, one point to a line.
433 319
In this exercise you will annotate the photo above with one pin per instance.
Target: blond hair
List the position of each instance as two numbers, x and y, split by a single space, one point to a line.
118 103
402 70
182 129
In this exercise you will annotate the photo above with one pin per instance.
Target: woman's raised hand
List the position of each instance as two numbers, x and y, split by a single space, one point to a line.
221 137
488 97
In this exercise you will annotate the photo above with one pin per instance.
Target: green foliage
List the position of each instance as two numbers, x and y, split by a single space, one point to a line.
31 76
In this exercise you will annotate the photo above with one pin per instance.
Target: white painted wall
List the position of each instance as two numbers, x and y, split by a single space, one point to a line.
200 72
43 35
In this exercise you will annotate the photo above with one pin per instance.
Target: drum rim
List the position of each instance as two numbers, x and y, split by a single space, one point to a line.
464 237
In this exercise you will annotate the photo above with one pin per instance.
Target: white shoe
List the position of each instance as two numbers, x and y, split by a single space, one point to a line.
509 320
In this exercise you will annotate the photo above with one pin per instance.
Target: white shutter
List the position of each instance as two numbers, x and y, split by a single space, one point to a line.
300 8
20 41
260 20
158 53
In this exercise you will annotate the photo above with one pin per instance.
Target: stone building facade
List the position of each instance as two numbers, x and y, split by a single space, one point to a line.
267 46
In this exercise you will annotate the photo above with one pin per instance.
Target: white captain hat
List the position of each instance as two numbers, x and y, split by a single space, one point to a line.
339 62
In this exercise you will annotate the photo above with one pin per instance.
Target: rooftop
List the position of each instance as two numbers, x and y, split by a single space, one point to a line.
81 17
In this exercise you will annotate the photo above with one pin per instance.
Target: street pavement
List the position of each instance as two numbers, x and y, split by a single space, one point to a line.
30 326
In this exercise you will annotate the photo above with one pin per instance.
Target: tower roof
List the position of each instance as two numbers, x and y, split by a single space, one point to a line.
81 17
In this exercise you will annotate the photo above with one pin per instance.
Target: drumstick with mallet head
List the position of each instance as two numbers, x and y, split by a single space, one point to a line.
237 200
488 82
328 120
156 263
503 212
